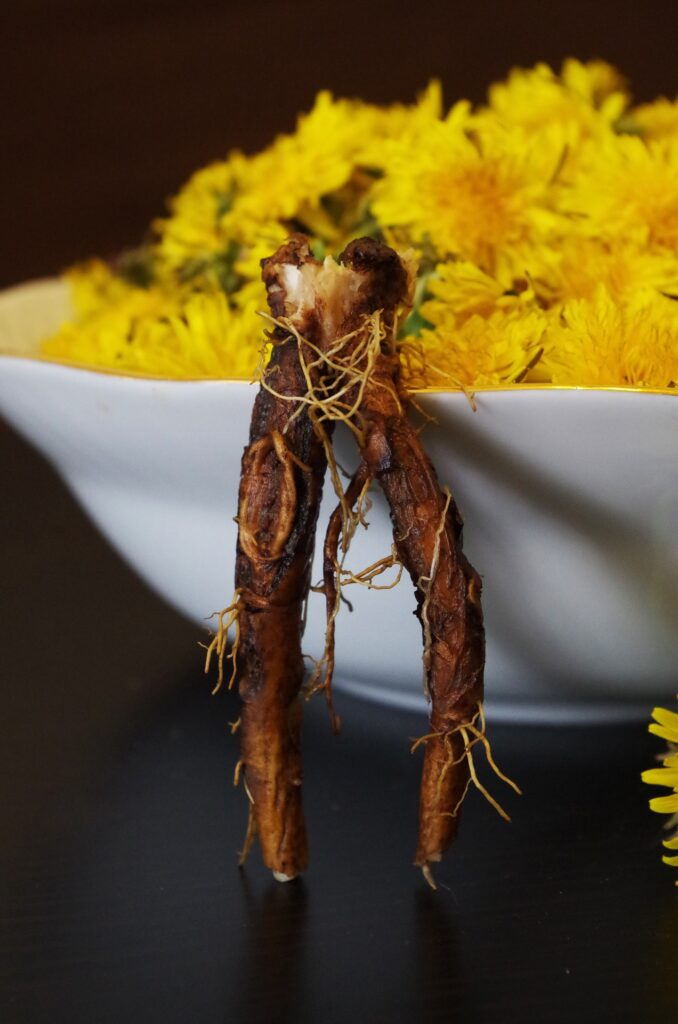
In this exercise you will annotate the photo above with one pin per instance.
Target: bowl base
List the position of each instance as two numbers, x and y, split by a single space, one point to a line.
518 710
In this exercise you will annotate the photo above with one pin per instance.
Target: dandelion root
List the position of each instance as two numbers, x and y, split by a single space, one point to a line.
280 490
335 359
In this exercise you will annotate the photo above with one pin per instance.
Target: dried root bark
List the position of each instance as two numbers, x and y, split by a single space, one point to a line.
280 491
332 582
427 531
335 359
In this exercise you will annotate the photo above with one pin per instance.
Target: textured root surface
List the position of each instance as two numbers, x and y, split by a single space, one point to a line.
280 490
335 358
427 533
449 770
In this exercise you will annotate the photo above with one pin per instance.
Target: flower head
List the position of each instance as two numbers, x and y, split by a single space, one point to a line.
600 342
190 238
666 725
481 195
476 333
545 224
589 98
627 190
579 265
657 120
153 332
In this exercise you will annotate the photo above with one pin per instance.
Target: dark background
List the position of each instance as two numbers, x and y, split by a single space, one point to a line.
118 825
108 106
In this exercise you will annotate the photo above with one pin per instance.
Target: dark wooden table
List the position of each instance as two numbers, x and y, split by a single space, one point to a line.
119 829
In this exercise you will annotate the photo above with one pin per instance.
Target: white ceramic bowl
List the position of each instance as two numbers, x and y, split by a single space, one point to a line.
570 499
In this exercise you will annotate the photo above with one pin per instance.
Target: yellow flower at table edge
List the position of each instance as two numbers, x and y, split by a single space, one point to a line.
479 352
665 725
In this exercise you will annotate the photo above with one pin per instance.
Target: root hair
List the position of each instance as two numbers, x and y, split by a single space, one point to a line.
472 734
227 617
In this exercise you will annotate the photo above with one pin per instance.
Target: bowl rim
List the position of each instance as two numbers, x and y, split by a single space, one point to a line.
106 371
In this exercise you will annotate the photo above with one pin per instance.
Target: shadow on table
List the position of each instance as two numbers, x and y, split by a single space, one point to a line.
272 975
438 978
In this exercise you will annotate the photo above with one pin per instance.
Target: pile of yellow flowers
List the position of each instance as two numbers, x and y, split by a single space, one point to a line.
545 224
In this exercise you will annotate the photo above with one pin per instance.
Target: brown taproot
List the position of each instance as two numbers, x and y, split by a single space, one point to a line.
335 359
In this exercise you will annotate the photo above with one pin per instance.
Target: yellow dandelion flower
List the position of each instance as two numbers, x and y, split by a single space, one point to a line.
193 232
153 332
400 121
666 725
598 82
261 243
299 169
590 96
460 289
472 351
102 335
600 342
205 338
289 179
94 285
464 289
479 333
532 216
657 120
483 198
628 190
312 178
578 265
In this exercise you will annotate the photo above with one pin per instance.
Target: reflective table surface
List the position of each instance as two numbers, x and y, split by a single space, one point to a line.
121 896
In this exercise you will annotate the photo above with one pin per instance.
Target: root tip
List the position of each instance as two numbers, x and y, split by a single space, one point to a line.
428 875
280 876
